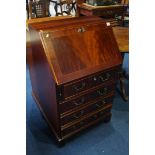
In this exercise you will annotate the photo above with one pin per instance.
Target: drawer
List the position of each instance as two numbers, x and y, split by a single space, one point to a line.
85 99
89 82
89 109
86 122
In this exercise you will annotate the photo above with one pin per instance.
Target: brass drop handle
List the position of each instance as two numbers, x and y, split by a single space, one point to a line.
78 115
106 78
97 105
101 104
82 100
102 92
78 88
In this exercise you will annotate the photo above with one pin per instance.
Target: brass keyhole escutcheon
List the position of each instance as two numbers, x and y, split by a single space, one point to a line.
82 29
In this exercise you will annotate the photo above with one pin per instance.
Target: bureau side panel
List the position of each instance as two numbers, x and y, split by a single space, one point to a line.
43 85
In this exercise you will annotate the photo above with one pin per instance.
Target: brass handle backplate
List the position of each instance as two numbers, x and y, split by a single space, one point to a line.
78 88
82 100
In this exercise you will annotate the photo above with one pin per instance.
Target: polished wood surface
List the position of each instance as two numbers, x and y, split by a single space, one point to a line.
70 22
41 20
36 21
73 54
122 38
73 76
70 107
89 82
74 105
42 81
103 11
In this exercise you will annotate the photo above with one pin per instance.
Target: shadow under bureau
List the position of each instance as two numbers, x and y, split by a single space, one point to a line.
74 67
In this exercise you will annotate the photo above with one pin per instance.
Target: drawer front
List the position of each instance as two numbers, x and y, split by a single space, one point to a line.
83 112
84 123
84 99
87 83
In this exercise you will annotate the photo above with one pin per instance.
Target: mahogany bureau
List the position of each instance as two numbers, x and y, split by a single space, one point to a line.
74 67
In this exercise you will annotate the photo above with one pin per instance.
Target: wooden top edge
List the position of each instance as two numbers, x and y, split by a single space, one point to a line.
39 20
91 7
43 24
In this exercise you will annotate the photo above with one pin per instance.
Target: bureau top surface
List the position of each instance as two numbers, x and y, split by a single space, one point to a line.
78 47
